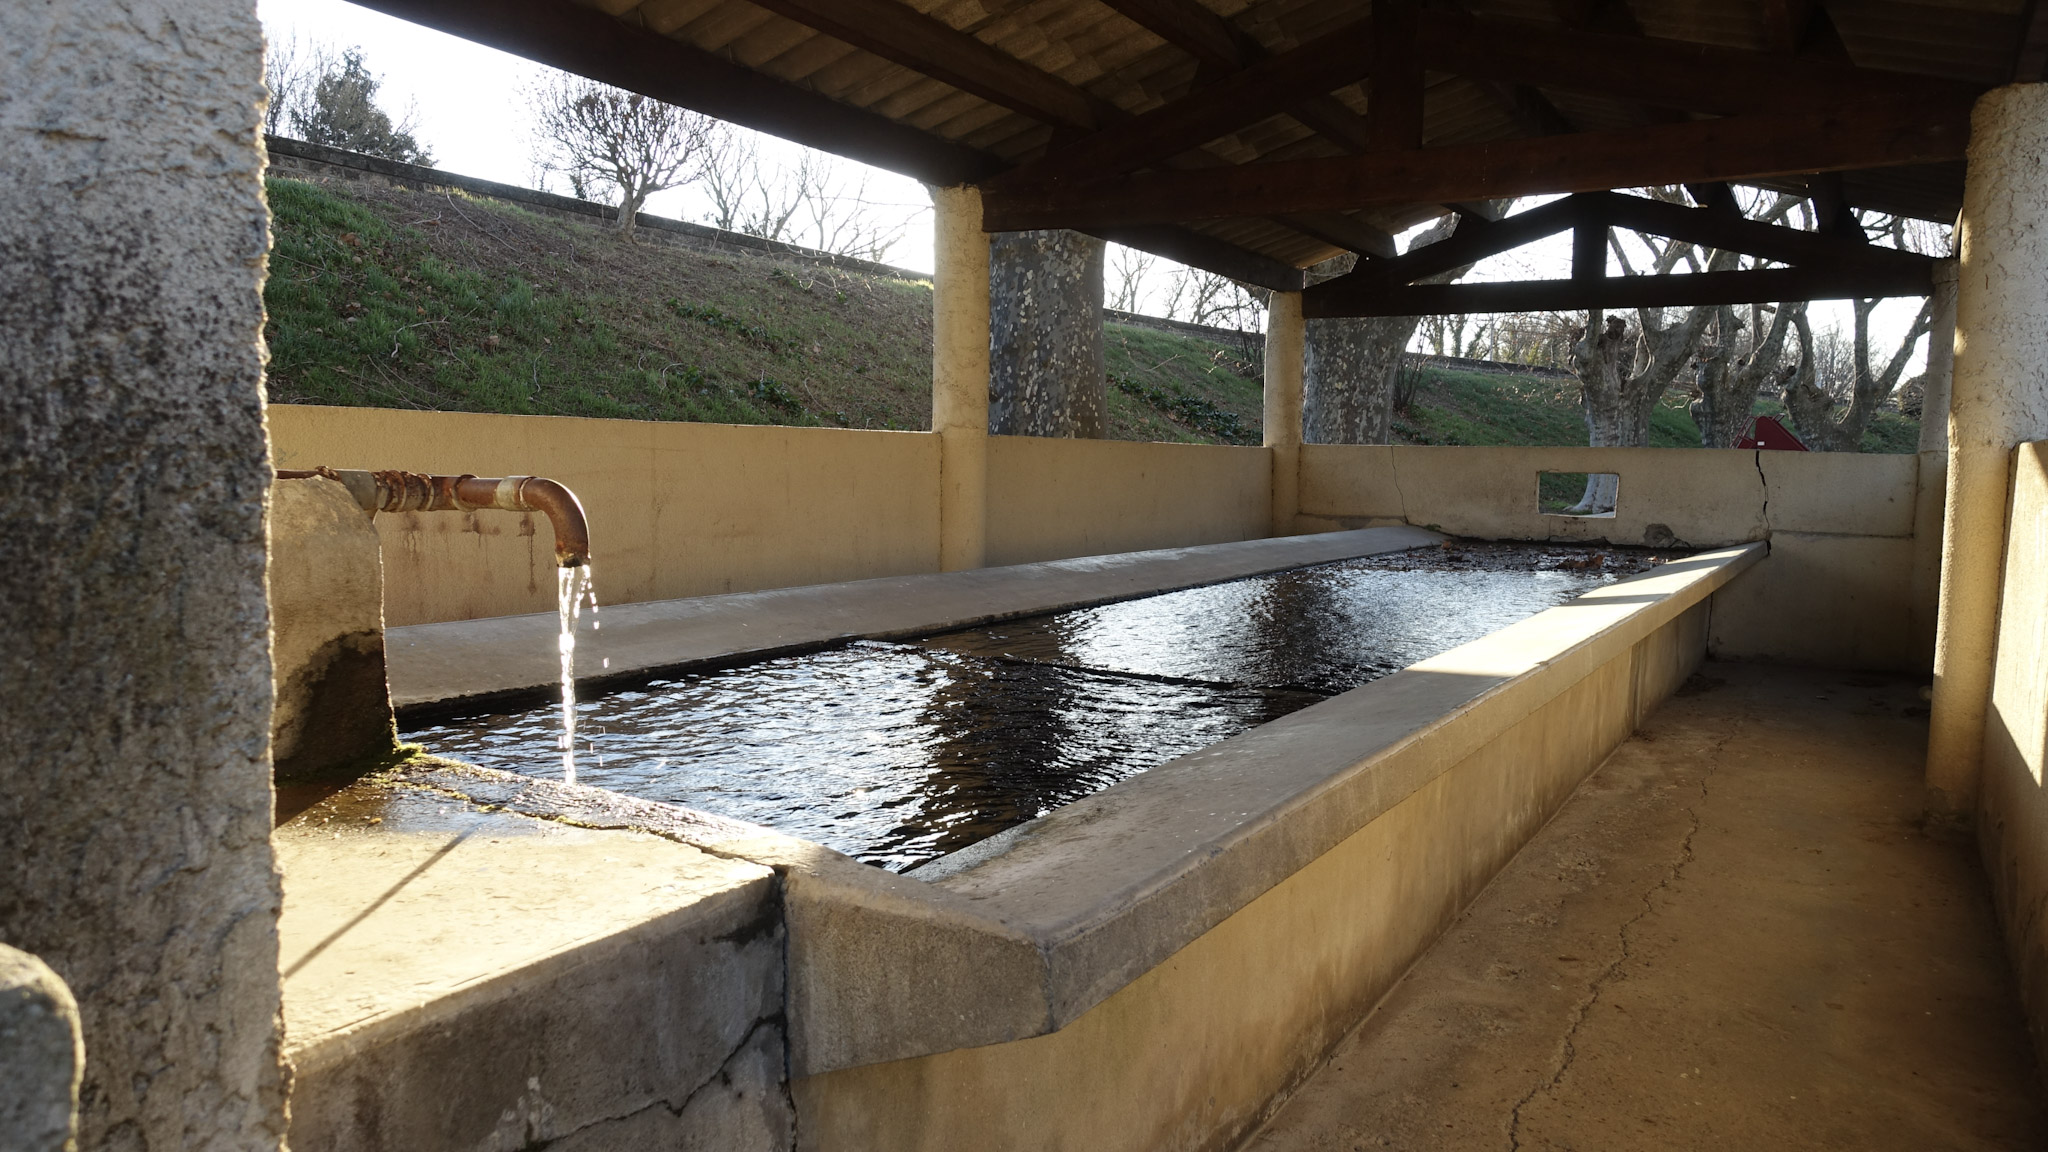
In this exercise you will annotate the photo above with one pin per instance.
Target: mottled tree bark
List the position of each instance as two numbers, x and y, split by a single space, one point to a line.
1348 388
1729 384
1047 376
1349 368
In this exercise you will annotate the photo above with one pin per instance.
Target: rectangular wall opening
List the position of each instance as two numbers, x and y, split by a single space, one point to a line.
1577 493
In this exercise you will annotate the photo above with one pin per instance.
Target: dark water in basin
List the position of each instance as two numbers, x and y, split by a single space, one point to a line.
899 753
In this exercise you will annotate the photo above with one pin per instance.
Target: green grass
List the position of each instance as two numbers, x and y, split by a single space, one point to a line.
1486 408
394 298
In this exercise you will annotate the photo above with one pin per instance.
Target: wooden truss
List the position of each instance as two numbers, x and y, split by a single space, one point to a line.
1829 265
1699 113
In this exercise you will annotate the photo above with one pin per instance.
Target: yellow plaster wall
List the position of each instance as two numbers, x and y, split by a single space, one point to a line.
2012 814
692 509
1189 1056
675 509
1054 498
1853 536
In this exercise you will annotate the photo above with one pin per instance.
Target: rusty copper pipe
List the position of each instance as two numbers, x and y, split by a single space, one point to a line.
395 491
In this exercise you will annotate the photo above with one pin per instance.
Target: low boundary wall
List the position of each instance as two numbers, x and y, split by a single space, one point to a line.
2012 814
1855 562
680 510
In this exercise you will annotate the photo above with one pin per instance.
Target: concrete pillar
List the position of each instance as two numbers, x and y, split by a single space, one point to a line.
1999 399
135 723
1941 360
1286 341
1929 498
960 335
41 1056
333 712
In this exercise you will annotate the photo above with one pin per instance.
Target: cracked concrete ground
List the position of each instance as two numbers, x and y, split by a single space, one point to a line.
1735 935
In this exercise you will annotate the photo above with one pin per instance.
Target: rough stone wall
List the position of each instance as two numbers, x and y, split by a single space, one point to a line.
1046 369
135 797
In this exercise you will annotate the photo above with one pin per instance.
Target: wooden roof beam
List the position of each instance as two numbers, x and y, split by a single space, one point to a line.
1869 134
1208 253
1758 286
590 43
1265 89
903 35
1215 43
1393 108
1665 73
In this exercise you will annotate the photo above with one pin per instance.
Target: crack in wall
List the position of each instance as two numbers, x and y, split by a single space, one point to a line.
721 1075
1569 1053
1400 493
1763 484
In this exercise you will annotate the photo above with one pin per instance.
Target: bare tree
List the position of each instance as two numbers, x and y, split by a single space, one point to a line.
815 204
605 140
1733 366
1835 392
1128 269
289 69
1622 375
1214 299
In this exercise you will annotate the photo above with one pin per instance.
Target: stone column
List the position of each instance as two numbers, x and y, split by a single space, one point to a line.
1999 399
1941 360
1286 339
135 724
960 343
41 1056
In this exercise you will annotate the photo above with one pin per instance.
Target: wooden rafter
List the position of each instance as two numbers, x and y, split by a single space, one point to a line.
903 35
1201 251
1265 89
1871 134
1394 102
1214 42
1824 266
1760 286
1668 73
590 43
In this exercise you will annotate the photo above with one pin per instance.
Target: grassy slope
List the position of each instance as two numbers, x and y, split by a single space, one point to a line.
399 299
393 298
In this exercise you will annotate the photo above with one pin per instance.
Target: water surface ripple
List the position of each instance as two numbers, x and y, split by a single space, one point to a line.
899 753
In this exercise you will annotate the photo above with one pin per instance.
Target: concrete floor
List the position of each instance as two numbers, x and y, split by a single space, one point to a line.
1735 935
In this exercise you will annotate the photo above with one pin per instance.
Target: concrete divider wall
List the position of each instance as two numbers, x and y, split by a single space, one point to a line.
1855 538
693 509
675 509
1050 499
2012 815
1178 1012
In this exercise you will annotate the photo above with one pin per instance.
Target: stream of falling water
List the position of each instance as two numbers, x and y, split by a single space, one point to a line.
573 586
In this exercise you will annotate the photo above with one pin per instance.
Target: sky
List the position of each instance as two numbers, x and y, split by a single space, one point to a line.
469 110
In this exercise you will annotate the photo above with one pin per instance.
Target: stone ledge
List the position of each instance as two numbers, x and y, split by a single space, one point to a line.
473 661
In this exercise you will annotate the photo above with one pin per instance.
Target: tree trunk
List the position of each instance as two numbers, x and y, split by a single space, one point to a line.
1348 378
1348 373
1047 376
1813 410
1728 384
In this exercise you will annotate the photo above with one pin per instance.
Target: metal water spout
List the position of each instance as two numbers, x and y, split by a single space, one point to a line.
393 491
